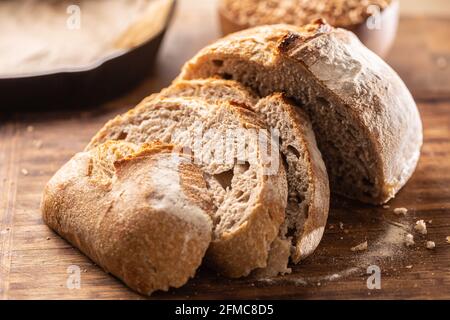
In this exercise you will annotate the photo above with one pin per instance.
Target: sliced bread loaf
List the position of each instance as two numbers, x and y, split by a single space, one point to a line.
241 165
308 200
366 122
142 214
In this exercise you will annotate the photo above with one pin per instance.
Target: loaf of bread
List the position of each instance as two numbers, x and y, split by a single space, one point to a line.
366 122
247 184
246 188
308 189
141 213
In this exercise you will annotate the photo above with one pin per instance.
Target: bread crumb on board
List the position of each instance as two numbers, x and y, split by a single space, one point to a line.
441 62
399 211
448 239
421 227
37 144
360 247
386 206
30 128
431 245
24 171
409 240
409 267
341 225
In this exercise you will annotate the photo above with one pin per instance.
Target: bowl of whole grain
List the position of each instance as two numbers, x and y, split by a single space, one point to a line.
66 53
375 22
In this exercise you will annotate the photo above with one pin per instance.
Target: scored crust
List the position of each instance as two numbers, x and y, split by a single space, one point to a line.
367 124
142 214
249 199
308 189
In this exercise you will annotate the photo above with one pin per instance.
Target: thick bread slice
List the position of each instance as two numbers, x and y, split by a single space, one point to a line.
211 90
248 185
367 124
142 214
308 188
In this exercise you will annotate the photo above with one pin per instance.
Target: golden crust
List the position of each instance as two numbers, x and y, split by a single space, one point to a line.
126 226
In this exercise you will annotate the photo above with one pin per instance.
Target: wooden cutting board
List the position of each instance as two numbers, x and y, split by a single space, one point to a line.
36 264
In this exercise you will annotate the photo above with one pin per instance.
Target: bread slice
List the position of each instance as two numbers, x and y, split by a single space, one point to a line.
366 122
236 15
308 189
231 146
142 214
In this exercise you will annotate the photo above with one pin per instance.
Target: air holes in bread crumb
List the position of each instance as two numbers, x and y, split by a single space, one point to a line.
226 76
122 135
218 63
225 179
294 151
322 102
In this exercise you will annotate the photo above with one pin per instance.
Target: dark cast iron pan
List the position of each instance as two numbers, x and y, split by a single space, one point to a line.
85 86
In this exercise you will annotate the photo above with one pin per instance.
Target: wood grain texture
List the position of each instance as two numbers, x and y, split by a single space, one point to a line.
34 261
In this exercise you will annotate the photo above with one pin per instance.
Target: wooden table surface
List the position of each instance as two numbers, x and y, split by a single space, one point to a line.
35 262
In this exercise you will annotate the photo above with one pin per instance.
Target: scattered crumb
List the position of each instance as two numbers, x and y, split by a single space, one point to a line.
448 239
346 231
409 240
386 206
319 284
30 128
441 63
84 270
341 225
331 226
401 211
37 144
430 221
360 247
342 238
409 267
421 227
24 171
48 238
431 245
